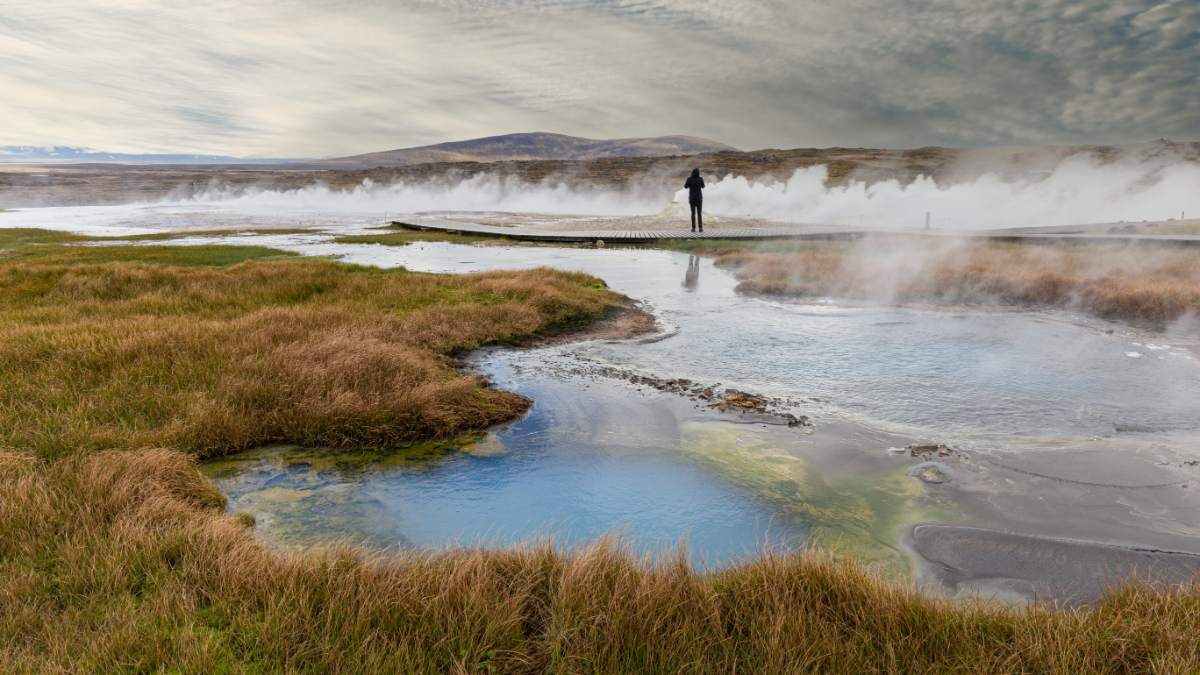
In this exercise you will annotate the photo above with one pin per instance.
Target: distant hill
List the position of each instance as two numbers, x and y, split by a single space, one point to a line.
70 155
535 146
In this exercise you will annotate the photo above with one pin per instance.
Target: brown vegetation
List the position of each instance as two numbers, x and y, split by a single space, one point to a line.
122 561
211 361
119 558
1123 282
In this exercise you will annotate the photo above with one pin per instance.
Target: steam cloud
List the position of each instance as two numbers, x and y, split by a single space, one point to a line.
481 192
1080 189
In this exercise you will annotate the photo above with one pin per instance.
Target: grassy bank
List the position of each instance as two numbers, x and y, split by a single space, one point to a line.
1139 283
214 358
123 561
123 364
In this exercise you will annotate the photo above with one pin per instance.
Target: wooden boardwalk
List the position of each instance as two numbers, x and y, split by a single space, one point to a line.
809 232
522 233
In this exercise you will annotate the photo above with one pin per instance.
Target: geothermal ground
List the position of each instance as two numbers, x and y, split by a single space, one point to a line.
1005 422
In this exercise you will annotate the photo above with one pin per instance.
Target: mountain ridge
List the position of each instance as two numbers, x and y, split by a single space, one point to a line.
536 145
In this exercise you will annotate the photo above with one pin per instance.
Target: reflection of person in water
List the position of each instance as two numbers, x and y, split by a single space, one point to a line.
695 187
692 277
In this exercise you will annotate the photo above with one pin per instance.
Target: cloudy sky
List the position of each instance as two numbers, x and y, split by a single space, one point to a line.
334 77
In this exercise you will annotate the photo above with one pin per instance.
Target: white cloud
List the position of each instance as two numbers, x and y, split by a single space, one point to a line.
325 78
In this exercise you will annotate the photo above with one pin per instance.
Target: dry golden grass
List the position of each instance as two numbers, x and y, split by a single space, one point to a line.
97 356
1134 283
119 558
123 561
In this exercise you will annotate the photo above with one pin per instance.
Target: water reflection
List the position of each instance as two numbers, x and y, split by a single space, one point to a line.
691 278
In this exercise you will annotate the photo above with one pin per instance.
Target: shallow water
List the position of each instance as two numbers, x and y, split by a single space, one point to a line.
522 493
971 376
1039 404
1065 425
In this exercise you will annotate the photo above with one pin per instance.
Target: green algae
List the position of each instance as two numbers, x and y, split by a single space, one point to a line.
305 496
862 515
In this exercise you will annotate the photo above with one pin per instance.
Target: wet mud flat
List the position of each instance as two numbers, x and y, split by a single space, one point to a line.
970 561
1060 526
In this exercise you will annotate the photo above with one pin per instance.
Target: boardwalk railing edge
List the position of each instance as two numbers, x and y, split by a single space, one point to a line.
648 236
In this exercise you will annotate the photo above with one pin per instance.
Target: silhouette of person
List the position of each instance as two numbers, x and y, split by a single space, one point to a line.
691 278
695 188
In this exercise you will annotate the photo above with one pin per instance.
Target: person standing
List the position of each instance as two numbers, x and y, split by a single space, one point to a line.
695 188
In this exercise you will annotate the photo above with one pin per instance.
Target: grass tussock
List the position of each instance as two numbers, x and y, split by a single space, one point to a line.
1132 283
123 561
213 360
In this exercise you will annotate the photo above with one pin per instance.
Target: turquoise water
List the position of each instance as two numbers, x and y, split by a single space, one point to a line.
1071 426
546 474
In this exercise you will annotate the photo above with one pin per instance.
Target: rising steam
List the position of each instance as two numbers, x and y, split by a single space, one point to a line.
1079 190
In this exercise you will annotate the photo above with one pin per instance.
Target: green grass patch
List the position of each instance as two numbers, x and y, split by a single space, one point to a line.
399 237
49 247
167 236
215 255
17 237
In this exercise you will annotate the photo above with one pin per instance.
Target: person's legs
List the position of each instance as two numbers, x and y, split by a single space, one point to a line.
693 208
700 216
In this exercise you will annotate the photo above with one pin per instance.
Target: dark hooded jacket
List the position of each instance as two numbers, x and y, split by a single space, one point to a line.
695 185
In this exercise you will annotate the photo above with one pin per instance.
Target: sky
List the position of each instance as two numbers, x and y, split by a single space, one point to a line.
306 78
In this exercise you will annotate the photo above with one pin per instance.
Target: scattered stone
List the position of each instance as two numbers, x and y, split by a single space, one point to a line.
744 401
933 450
747 406
728 400
797 421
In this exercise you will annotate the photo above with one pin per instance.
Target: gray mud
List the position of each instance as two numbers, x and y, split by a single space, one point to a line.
977 561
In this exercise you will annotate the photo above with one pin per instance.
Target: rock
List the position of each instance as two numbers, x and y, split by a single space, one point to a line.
794 421
935 450
771 409
744 401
